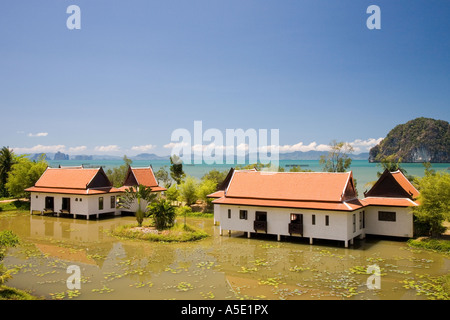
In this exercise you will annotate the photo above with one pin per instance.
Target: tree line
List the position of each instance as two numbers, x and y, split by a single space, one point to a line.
17 173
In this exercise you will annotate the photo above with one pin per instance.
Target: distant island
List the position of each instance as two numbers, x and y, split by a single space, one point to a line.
60 156
418 140
297 155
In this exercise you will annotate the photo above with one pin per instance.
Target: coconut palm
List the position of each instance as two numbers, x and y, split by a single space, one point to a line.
138 195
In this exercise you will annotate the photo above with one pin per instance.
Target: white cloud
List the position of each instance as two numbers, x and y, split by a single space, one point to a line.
40 149
172 145
313 146
110 148
77 149
364 145
40 134
144 148
358 145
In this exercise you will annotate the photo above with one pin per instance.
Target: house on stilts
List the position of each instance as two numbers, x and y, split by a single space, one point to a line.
84 192
314 205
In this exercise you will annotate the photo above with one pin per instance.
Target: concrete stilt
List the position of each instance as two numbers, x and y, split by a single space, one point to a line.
351 241
229 233
249 234
74 216
98 216
87 217
221 231
310 240
346 243
278 237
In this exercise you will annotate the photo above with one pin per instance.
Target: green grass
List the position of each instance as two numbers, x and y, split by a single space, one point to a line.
439 245
184 210
177 233
8 293
198 215
15 206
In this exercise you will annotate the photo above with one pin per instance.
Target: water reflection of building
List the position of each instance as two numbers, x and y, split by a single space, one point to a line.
66 229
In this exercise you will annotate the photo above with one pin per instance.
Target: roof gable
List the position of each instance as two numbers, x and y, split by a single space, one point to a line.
405 183
392 184
140 176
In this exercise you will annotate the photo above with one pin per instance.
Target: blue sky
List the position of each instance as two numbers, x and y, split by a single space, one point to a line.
137 70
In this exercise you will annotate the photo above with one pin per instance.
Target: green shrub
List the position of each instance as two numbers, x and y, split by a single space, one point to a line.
183 210
163 214
440 245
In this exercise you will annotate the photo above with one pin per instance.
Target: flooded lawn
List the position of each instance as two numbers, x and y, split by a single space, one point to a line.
219 267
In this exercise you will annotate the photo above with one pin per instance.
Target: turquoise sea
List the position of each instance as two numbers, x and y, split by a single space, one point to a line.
363 171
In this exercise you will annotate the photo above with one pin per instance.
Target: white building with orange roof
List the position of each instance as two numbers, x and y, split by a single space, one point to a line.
140 176
75 191
86 192
388 205
315 205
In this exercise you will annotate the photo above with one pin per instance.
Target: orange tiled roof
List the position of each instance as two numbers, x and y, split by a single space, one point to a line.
145 176
321 205
288 186
66 178
73 181
154 189
217 194
74 191
306 190
405 183
387 201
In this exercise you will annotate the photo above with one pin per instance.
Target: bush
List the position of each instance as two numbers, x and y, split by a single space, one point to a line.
183 210
163 214
15 206
422 228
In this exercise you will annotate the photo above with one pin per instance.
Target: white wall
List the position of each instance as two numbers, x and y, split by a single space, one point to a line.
340 223
402 227
87 206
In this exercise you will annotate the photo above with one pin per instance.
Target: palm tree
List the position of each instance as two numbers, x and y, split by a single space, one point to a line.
139 194
6 162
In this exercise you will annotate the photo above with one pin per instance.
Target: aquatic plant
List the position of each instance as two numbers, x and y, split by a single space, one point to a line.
274 281
184 286
433 288
298 269
437 245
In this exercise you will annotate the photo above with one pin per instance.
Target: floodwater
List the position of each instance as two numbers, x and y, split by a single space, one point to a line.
219 267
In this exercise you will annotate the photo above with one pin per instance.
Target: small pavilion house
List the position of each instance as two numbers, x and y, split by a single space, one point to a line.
140 176
86 192
75 191
314 205
388 205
